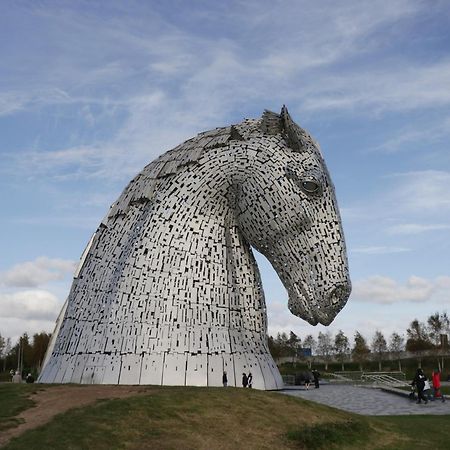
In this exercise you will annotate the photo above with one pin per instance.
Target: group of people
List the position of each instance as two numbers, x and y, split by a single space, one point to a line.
306 377
16 377
425 390
247 380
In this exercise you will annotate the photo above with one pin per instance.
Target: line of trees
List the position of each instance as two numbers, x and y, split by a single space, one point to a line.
26 355
420 336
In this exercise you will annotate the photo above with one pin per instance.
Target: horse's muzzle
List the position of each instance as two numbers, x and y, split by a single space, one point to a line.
334 301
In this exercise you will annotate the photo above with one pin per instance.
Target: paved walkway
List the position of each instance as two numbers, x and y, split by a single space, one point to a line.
367 401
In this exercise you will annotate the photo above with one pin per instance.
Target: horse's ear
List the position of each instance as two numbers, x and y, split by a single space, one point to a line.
290 128
271 122
235 135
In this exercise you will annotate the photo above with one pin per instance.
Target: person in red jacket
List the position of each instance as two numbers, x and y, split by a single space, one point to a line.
436 377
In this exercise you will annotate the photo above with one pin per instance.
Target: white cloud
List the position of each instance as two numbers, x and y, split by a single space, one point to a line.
32 305
385 290
38 272
415 228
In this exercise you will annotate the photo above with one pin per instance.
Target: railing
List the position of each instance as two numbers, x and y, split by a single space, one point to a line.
288 380
357 377
374 378
348 376
385 378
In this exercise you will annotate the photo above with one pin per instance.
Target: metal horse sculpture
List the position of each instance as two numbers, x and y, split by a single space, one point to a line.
168 291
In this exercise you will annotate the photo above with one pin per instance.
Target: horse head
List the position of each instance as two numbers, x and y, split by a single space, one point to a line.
286 208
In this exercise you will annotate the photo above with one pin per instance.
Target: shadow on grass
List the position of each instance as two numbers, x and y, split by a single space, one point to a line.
322 435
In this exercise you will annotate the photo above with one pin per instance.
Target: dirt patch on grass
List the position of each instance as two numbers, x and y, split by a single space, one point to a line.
53 400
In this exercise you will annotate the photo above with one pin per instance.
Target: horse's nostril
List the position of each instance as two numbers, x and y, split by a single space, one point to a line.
339 295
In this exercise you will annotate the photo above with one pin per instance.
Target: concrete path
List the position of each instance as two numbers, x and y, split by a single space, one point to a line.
367 401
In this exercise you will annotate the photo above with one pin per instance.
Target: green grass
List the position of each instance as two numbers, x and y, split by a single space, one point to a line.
13 400
217 418
190 418
427 432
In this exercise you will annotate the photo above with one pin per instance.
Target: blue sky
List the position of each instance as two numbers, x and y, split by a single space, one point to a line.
90 92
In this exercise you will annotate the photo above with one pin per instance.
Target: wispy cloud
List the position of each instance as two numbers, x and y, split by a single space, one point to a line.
172 82
411 134
425 190
406 197
415 228
375 90
381 250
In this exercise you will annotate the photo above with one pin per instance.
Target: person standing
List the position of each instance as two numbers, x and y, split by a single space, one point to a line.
316 376
436 378
17 378
224 379
244 380
250 380
419 382
307 379
29 379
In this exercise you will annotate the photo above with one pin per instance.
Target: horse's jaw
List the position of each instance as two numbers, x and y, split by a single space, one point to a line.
315 296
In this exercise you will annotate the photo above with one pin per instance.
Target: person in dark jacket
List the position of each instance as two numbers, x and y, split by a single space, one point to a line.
316 376
244 380
29 378
225 379
250 380
307 377
419 382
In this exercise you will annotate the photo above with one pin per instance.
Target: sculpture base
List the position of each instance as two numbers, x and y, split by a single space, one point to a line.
165 369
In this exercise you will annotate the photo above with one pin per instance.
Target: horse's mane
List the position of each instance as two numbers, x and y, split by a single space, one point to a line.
144 185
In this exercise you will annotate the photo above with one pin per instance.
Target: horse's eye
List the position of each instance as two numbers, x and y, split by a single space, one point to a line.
308 183
311 187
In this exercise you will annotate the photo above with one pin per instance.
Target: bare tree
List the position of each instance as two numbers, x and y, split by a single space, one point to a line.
6 352
310 342
438 324
2 351
360 350
379 347
396 346
294 343
342 347
325 346
418 338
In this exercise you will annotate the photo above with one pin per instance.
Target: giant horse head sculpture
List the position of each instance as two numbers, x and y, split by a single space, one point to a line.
168 291
292 218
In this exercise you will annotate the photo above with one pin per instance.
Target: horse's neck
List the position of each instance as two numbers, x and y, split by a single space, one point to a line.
207 263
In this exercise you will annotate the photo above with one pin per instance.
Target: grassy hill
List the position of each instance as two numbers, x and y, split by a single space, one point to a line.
214 418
